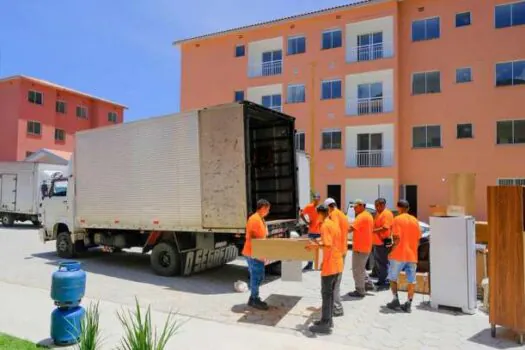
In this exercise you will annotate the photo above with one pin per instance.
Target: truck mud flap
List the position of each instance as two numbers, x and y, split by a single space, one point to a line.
199 260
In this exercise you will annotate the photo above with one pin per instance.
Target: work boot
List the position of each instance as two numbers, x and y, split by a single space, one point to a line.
382 285
369 287
258 304
407 307
356 294
323 327
320 323
338 313
394 304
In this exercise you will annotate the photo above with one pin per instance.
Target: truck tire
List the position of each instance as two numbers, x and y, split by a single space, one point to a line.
165 259
64 246
8 220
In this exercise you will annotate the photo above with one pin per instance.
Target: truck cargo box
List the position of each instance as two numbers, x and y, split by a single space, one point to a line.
202 170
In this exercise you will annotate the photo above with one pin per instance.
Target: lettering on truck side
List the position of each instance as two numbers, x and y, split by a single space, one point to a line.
204 259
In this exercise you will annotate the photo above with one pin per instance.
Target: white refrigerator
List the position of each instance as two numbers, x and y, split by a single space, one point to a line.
453 263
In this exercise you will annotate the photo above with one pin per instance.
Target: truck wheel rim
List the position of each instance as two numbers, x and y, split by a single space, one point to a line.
165 259
62 245
5 219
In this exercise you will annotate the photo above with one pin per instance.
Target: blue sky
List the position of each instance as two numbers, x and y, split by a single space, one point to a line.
121 50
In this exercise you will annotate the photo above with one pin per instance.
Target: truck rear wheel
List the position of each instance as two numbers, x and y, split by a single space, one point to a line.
8 220
64 246
165 259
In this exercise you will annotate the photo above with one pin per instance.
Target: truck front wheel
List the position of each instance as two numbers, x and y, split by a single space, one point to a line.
64 246
8 220
165 259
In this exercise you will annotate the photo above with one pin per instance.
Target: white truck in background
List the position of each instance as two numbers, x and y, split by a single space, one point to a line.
20 190
180 186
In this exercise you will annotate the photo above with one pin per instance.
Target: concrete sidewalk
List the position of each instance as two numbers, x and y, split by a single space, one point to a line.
26 313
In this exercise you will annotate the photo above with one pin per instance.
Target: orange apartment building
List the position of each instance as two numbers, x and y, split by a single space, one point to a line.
390 96
37 114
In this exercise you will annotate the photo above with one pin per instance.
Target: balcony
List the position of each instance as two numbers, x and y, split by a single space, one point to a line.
370 158
266 69
370 52
372 105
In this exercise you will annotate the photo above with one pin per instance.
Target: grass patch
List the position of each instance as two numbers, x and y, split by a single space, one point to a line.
12 343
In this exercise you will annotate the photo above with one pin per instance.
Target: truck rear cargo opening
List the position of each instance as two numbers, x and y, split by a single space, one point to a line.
181 185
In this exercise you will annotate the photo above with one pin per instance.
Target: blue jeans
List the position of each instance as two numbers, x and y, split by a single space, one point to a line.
312 236
256 268
397 266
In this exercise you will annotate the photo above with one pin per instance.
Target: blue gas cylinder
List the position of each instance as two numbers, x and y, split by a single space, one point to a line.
68 284
66 325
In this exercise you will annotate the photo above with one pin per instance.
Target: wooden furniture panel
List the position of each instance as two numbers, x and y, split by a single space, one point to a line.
462 189
282 249
422 282
482 232
506 210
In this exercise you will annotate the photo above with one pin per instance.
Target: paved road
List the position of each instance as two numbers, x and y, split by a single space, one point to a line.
119 278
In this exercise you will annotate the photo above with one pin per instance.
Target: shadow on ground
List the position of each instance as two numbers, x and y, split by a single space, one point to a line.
505 339
280 306
136 267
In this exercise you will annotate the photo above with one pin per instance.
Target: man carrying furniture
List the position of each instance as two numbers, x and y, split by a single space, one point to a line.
313 225
362 228
406 233
331 269
341 220
382 241
256 229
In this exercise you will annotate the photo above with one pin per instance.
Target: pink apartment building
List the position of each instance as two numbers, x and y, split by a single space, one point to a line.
37 114
390 96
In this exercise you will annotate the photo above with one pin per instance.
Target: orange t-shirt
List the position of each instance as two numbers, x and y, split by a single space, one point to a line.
341 220
332 256
385 220
255 228
363 227
311 211
406 227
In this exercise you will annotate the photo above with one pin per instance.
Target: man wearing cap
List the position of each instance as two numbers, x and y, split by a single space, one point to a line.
406 233
341 220
332 267
362 228
313 225
382 241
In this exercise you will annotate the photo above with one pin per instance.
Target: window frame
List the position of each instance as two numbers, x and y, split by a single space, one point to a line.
424 19
116 117
513 143
64 103
235 95
331 89
32 133
333 30
288 101
426 92
272 106
462 13
512 72
236 55
515 181
63 134
331 131
82 107
471 131
297 141
426 126
464 82
295 37
36 92
511 5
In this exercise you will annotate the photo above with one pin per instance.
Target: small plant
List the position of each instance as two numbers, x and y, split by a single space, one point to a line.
139 333
89 329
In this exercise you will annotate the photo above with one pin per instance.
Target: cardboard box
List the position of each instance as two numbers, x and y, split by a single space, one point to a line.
481 265
422 282
283 249
482 232
449 210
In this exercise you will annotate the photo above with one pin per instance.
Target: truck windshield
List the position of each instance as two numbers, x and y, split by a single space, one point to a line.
59 189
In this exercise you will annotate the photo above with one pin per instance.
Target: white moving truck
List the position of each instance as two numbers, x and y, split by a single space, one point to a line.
180 186
20 190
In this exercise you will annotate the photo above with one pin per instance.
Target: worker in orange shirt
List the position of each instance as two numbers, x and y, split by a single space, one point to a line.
406 234
382 241
332 267
341 220
312 220
256 229
362 228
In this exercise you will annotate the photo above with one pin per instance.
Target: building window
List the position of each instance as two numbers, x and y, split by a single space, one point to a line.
332 39
35 97
29 154
238 96
331 139
428 136
60 135
510 132
370 46
425 29
112 117
272 63
464 131
296 45
369 98
463 19
511 182
426 83
60 107
510 73
82 112
34 128
463 75
510 15
239 51
272 102
331 89
300 141
295 94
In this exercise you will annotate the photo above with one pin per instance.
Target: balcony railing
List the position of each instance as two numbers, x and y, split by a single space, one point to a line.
365 106
266 69
370 158
370 52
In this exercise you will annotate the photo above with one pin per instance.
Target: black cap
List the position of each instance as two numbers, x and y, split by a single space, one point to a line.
403 203
322 208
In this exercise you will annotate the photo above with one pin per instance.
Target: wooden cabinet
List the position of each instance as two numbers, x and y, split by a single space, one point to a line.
506 220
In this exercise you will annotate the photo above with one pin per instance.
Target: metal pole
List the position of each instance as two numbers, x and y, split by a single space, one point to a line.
312 127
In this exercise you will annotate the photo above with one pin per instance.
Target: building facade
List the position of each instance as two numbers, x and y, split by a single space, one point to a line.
390 96
37 114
